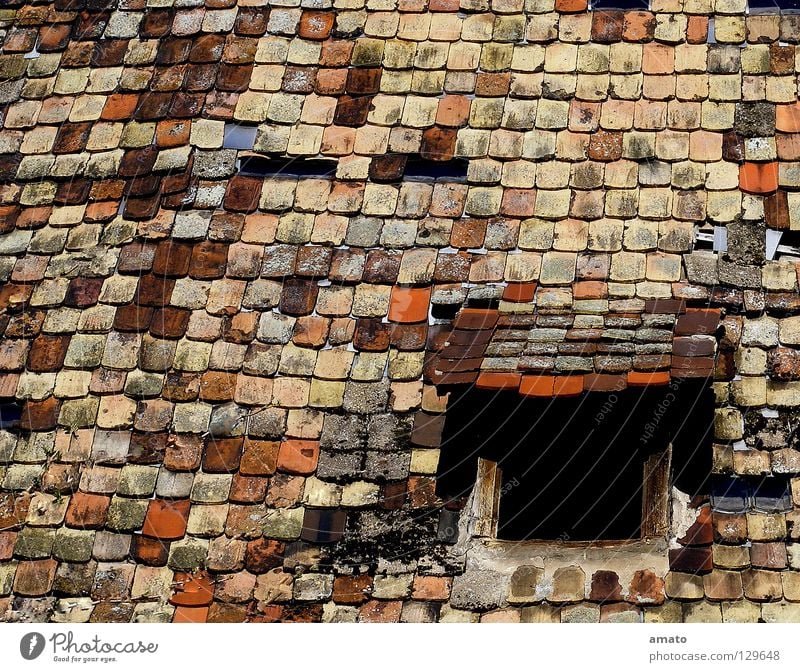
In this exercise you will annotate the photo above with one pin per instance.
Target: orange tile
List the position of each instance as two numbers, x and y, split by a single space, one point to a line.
758 178
190 615
409 304
590 289
495 380
571 6
640 378
192 590
298 456
567 386
537 386
787 118
166 519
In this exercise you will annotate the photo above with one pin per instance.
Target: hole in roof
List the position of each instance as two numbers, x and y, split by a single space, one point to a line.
265 166
485 303
418 168
444 311
237 136
10 414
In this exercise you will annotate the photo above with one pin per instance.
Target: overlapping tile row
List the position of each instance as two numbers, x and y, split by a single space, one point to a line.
233 387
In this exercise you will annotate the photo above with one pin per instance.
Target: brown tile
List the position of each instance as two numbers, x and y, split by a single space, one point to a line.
86 511
352 590
169 322
315 25
298 296
149 551
153 291
222 455
209 261
352 111
263 555
47 353
371 335
34 578
607 26
438 144
243 193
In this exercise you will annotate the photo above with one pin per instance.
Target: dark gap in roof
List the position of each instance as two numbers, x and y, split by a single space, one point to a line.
266 166
620 4
452 170
789 244
484 303
444 311
573 467
10 414
773 5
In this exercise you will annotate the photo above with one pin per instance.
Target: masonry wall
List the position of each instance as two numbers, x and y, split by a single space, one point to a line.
233 387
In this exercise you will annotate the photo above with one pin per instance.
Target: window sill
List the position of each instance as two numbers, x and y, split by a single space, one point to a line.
624 557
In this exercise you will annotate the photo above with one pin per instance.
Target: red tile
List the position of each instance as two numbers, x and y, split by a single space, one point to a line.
519 292
697 30
758 178
409 304
166 519
638 26
263 555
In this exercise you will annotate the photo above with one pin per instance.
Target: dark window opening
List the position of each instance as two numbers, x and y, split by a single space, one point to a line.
10 414
266 166
583 468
